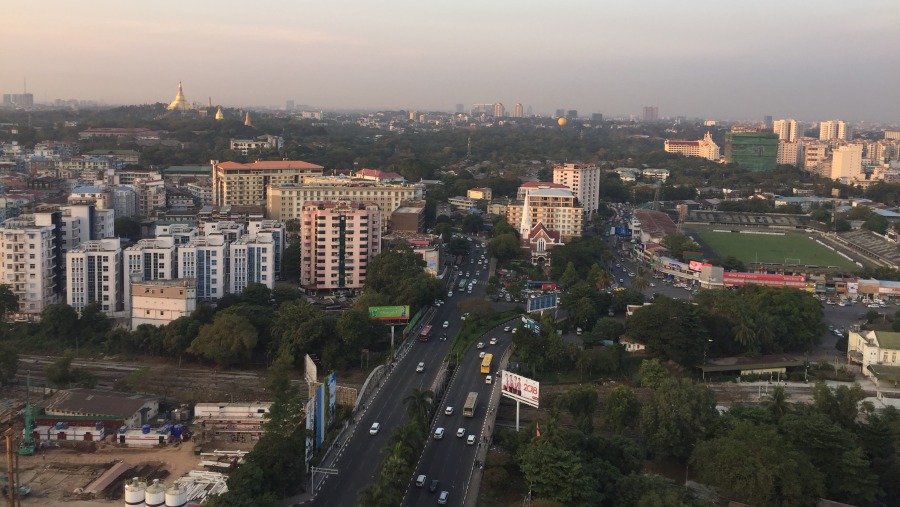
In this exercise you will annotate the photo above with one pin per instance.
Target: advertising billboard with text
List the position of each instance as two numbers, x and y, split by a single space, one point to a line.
310 428
520 388
390 313
538 303
331 381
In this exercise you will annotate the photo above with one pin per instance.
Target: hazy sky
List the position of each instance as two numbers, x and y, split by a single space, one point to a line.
811 60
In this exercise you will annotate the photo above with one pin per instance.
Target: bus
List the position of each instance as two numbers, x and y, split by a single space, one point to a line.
425 334
462 284
486 363
469 407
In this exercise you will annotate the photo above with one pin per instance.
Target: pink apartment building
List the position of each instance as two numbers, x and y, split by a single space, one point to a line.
337 241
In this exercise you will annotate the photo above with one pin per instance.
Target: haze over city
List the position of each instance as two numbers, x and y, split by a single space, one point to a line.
809 60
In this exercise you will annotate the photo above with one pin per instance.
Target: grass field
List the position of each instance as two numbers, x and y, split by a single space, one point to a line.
765 248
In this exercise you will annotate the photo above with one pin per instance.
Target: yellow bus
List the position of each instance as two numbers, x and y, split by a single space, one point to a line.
486 363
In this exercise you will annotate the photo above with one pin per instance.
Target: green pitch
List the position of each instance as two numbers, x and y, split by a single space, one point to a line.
765 248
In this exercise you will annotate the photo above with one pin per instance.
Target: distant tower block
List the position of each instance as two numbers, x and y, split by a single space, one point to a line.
180 103
209 103
247 119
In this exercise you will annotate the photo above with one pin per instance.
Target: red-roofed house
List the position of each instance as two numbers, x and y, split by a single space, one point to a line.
539 242
379 176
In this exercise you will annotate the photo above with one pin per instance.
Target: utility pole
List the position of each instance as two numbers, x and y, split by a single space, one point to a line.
10 467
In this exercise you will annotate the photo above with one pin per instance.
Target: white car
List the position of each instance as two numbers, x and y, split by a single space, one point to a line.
470 439
420 368
480 345
493 341
506 329
374 429
448 411
460 432
477 273
489 379
420 480
446 323
481 354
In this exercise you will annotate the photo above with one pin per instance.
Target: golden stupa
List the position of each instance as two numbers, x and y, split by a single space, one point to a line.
247 119
219 115
180 103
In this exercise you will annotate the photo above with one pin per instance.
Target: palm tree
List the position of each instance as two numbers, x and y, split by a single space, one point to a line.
418 405
745 331
604 279
777 403
765 332
640 282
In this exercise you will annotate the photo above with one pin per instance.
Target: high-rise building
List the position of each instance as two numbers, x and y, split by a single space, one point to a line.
205 260
788 130
752 150
338 240
32 262
518 110
706 147
252 259
18 100
277 230
246 184
571 114
148 259
460 108
596 117
550 204
560 113
650 114
583 181
94 274
846 162
499 110
789 152
814 157
835 130
767 121
289 105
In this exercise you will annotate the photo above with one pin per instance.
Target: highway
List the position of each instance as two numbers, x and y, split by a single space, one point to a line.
451 460
360 456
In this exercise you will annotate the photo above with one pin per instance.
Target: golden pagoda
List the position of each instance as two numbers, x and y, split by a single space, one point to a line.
219 115
180 103
247 120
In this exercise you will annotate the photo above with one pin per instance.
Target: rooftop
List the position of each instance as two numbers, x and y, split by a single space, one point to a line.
269 164
887 339
93 402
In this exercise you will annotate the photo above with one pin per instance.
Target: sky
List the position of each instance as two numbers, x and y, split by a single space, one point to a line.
726 60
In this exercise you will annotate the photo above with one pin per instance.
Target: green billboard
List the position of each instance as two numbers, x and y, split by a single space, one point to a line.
394 313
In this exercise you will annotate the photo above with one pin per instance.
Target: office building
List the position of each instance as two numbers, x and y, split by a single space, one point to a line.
32 260
337 242
650 114
846 162
571 114
583 181
159 302
705 148
205 259
752 150
94 274
835 130
286 201
554 207
247 184
518 110
596 117
767 122
789 130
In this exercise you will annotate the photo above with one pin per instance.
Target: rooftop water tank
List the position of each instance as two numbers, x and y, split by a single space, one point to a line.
176 496
134 492
145 429
176 430
155 494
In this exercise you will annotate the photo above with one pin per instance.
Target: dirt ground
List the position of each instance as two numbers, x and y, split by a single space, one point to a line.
55 474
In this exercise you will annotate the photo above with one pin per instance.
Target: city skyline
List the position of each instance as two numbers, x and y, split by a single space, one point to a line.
726 62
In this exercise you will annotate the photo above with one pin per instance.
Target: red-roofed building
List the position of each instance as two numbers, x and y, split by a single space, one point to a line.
247 184
539 242
379 176
705 148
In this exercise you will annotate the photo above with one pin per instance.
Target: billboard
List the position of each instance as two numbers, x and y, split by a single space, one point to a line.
310 428
538 303
623 231
531 325
331 382
310 372
698 266
763 277
320 415
391 313
520 388
432 258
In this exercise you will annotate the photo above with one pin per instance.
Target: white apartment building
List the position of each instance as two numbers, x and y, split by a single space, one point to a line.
556 208
245 146
32 263
788 130
583 181
248 184
252 260
337 242
201 192
181 234
125 201
789 152
278 231
814 155
846 162
160 302
835 130
148 259
205 260
286 202
94 273
151 196
230 230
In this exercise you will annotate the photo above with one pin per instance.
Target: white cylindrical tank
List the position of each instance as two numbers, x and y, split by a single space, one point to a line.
155 494
134 493
176 496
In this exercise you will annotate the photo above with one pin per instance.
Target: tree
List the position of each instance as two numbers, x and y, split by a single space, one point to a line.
93 323
876 223
418 406
127 227
621 409
59 324
582 403
228 340
678 244
290 263
669 328
841 224
505 247
9 301
755 465
679 415
842 404
569 277
607 329
777 403
9 363
61 374
651 373
472 223
555 473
